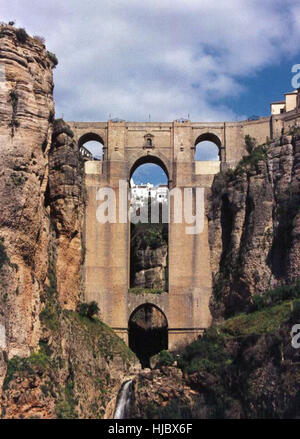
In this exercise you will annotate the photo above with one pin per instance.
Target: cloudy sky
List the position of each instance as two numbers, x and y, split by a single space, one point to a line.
212 60
165 59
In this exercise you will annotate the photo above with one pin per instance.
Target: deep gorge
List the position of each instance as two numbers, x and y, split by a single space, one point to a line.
56 362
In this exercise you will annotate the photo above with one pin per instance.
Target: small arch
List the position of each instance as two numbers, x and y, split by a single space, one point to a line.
207 147
148 159
93 144
147 332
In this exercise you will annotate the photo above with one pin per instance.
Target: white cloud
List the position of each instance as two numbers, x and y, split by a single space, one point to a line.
167 58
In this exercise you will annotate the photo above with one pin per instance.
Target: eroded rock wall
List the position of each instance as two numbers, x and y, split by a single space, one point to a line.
254 222
261 380
53 361
26 114
66 198
151 268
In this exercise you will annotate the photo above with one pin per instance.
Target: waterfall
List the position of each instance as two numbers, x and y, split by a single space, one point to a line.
124 400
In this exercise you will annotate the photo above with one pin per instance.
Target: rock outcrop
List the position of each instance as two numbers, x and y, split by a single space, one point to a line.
151 268
66 199
76 373
254 224
239 370
26 115
149 256
53 361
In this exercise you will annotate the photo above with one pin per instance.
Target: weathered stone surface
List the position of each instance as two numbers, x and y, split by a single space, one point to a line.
262 381
66 201
80 377
254 227
54 362
26 106
150 267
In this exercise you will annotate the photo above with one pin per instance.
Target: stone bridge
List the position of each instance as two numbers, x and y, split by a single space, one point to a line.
171 145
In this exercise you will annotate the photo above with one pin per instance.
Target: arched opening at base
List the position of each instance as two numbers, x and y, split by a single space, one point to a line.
148 332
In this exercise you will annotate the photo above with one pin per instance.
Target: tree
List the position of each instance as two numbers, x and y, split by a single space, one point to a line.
250 143
88 309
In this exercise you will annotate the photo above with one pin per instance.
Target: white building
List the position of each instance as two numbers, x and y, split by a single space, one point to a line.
288 104
140 193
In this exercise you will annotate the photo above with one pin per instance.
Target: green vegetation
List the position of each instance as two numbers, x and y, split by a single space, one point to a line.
249 162
4 259
14 99
106 341
294 131
65 406
37 361
260 322
207 354
21 35
275 296
3 256
88 309
218 287
49 316
140 290
295 313
18 179
250 143
165 358
53 58
149 235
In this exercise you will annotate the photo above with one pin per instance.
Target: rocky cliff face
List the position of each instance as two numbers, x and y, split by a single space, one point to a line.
53 362
151 268
76 373
26 112
66 198
149 256
254 224
245 368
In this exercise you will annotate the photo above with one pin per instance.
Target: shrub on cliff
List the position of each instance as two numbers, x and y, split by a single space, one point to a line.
275 296
53 58
149 235
249 162
295 314
3 256
39 39
165 358
21 35
88 309
250 143
37 362
206 354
